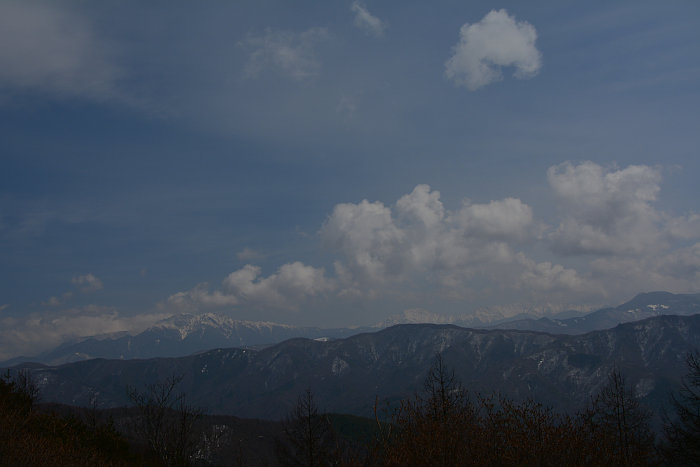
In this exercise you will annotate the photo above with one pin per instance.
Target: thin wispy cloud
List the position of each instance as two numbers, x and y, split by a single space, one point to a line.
366 21
485 48
87 283
249 254
286 52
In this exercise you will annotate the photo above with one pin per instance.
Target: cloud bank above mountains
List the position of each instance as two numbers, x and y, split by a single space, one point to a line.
333 163
620 241
610 242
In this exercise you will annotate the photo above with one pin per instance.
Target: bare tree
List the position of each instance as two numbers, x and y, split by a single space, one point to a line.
443 393
622 422
309 438
682 434
24 382
434 428
166 422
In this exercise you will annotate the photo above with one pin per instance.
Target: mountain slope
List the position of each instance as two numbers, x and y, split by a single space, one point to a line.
346 375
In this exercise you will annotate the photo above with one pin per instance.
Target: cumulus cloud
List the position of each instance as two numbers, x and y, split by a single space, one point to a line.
291 285
29 335
484 48
610 215
683 227
285 52
607 211
364 20
423 241
365 234
683 264
418 249
508 219
54 50
547 277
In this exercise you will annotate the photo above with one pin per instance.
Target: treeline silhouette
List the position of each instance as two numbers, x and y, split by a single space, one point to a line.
446 426
443 425
31 437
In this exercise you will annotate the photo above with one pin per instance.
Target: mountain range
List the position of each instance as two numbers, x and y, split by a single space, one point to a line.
185 334
181 335
347 375
645 305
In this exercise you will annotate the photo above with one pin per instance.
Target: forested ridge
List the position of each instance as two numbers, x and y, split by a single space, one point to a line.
443 424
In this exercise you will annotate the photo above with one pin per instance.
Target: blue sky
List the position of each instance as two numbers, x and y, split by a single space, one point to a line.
333 163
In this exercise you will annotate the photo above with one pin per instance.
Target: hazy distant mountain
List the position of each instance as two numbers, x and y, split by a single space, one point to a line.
484 318
178 336
185 334
645 305
347 374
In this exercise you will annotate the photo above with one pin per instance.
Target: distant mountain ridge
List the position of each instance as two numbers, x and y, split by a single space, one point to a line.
346 375
181 335
644 305
185 334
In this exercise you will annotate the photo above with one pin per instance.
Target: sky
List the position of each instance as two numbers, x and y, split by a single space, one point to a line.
334 163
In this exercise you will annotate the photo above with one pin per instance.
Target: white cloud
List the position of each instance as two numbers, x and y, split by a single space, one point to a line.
422 241
548 277
419 250
87 283
683 227
421 207
54 50
607 211
365 234
508 219
364 20
285 52
497 41
683 264
291 285
676 271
